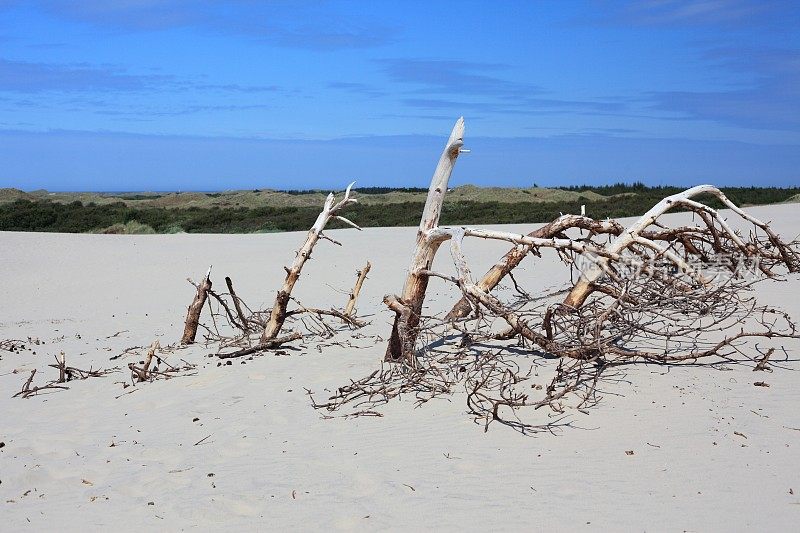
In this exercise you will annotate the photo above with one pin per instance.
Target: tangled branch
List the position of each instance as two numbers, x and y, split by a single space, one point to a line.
653 294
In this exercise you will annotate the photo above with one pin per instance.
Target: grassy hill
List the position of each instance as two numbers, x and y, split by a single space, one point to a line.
269 210
272 198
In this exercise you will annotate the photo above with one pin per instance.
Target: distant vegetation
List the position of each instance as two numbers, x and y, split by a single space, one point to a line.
189 212
739 195
362 190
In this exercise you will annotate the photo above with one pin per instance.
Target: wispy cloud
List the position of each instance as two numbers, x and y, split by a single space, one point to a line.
179 111
455 77
610 131
763 84
226 87
323 38
47 46
481 88
291 24
425 116
26 77
770 102
127 15
357 88
729 13
523 106
30 77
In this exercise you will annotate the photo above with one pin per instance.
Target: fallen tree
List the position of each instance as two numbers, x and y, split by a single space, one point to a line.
239 326
655 293
65 374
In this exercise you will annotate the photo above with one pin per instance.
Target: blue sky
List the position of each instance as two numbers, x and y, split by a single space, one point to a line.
214 95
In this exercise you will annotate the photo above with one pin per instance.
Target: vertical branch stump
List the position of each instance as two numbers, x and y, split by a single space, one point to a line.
61 359
237 305
329 211
351 302
193 313
409 305
142 373
155 345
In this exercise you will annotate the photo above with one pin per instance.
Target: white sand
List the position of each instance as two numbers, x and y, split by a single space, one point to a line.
277 464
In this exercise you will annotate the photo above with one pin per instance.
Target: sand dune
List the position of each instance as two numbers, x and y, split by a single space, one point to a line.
240 447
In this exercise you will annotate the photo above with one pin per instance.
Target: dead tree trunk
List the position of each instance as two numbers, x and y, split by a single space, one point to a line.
513 257
62 367
193 314
142 373
237 305
351 302
278 314
272 343
430 236
409 306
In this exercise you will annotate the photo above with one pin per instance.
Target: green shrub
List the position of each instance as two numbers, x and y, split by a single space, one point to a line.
128 228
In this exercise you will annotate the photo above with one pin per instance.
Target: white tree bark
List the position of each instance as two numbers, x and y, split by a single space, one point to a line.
330 211
632 235
409 305
515 256
430 236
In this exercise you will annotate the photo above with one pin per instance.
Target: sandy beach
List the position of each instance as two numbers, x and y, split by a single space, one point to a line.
240 447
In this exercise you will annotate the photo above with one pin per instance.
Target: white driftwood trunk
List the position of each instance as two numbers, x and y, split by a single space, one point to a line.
583 288
470 288
409 305
329 211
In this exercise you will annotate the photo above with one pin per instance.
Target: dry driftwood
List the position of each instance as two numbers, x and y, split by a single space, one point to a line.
154 367
408 305
11 345
636 234
601 259
62 367
361 275
330 211
652 294
196 307
266 345
237 305
28 391
269 324
514 257
65 374
142 373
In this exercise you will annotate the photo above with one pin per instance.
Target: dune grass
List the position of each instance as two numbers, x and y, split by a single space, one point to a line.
269 211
